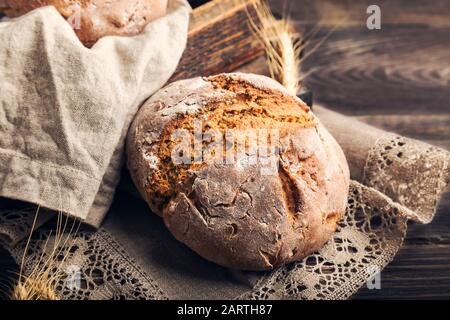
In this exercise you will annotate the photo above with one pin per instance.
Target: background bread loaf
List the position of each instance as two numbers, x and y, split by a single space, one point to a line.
93 19
243 215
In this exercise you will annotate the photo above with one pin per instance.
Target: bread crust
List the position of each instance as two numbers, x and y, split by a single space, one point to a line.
232 214
97 18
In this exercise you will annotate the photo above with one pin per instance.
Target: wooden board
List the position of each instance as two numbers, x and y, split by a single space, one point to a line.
351 12
220 39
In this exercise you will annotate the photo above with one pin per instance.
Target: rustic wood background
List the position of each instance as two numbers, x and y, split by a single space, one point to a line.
220 39
396 78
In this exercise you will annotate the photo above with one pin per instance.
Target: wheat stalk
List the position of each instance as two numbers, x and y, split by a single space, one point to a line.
42 281
283 46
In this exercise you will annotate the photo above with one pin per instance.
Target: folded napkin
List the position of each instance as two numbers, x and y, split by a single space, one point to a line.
65 109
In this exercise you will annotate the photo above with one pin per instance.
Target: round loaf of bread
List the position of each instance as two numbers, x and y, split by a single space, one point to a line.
94 19
241 171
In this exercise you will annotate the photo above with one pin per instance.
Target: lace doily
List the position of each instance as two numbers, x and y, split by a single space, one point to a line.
94 267
410 172
15 224
365 242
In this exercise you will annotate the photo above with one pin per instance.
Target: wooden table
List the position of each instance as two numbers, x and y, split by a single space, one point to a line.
396 78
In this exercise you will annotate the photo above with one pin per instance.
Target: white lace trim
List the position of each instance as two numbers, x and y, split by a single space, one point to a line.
410 172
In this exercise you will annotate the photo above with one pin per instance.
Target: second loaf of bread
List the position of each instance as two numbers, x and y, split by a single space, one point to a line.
94 19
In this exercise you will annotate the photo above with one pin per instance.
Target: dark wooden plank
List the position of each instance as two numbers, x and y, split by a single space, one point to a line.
418 272
220 39
351 12
400 70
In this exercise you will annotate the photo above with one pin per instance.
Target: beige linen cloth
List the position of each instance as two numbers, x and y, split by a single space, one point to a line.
65 109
